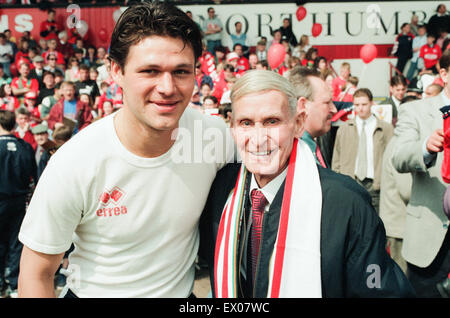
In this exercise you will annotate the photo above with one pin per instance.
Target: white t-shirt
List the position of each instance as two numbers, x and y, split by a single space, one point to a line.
133 220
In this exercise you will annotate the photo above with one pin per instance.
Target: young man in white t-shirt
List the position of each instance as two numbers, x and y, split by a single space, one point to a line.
129 189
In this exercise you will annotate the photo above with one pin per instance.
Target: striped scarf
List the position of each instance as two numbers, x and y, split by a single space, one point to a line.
294 269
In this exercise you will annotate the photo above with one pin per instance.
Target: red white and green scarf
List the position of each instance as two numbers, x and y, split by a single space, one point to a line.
294 269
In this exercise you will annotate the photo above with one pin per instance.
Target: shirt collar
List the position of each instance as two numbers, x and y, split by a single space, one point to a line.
306 137
396 101
269 190
368 121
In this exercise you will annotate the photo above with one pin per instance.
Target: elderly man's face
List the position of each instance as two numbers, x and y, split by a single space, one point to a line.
264 130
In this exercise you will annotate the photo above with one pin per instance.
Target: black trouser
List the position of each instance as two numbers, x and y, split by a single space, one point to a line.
424 280
374 194
12 212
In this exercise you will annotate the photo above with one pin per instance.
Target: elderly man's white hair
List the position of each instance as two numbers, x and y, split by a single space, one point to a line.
256 81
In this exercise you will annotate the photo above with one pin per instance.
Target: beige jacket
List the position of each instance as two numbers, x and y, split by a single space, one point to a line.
426 223
346 148
395 192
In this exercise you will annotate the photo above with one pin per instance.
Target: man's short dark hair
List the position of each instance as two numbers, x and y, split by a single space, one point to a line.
236 45
7 120
47 73
84 67
408 98
444 61
363 92
213 98
146 19
398 80
263 63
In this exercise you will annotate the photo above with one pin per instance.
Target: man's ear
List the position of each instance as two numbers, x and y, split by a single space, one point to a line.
300 118
443 74
116 73
301 104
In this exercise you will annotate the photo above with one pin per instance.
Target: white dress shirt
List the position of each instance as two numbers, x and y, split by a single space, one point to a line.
269 190
371 123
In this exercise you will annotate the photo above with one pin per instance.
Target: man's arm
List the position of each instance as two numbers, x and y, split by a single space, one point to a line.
335 161
408 153
371 272
37 273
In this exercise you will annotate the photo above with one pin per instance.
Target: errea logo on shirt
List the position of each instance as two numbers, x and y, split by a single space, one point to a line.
112 197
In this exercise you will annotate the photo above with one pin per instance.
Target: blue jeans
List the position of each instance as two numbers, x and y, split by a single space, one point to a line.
6 69
412 70
211 45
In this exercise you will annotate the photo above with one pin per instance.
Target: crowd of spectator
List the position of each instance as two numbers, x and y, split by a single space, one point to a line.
58 84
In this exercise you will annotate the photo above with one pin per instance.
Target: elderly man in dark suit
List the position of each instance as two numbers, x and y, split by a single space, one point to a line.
280 225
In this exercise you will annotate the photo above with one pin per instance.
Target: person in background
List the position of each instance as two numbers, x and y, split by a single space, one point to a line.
416 61
38 70
210 105
72 73
49 101
242 63
212 30
286 30
303 45
238 37
108 108
432 90
18 172
403 46
414 24
430 53
340 81
86 85
23 83
349 90
52 45
44 146
6 54
7 100
49 29
395 193
360 144
63 46
261 50
439 21
262 65
397 90
69 108
22 130
4 79
48 78
315 97
51 65
419 150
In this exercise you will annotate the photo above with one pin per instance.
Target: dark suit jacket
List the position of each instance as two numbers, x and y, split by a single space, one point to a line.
352 240
394 109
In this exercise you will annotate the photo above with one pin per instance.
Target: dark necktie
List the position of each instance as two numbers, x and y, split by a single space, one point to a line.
259 201
319 156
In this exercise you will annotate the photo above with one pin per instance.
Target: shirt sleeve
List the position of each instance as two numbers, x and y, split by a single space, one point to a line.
371 272
55 209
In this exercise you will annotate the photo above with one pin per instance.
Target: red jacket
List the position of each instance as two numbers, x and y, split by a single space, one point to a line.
84 114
